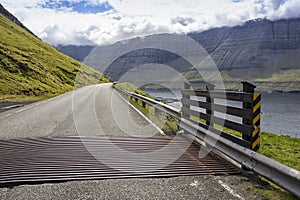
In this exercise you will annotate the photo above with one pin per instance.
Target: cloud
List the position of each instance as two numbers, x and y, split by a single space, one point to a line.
184 21
75 21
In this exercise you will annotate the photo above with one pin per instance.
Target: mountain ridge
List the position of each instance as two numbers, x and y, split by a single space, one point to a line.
12 18
261 51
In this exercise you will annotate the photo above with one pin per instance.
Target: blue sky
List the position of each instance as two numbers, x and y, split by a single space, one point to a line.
82 6
102 22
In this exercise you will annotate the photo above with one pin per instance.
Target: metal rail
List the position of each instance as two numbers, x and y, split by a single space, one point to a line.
282 175
38 160
174 112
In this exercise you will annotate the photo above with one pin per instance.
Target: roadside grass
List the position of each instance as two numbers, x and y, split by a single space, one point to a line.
284 149
32 70
268 190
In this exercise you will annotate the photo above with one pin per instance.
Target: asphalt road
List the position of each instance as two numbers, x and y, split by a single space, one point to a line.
89 111
97 110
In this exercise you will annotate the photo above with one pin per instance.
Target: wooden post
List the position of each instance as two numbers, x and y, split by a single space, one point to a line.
144 104
210 88
186 87
247 88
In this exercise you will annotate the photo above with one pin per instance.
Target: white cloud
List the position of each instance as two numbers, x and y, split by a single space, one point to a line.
131 18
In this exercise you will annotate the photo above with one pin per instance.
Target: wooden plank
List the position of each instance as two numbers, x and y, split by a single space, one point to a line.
228 136
239 112
226 123
234 96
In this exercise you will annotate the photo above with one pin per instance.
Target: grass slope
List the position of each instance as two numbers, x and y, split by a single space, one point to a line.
31 69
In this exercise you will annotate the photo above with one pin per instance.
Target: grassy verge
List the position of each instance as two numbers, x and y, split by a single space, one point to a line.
284 149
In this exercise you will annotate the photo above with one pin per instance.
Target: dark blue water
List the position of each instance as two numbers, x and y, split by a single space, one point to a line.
280 112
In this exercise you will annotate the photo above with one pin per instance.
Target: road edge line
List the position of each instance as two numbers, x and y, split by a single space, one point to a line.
144 116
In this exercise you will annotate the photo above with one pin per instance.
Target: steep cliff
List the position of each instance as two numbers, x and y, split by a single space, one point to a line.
261 44
262 51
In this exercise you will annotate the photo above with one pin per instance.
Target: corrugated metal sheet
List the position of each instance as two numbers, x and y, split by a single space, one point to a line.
68 158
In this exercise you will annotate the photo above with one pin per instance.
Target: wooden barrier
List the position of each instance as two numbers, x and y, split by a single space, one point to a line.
216 115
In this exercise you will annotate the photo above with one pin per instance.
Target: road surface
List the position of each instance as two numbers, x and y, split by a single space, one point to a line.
97 110
89 111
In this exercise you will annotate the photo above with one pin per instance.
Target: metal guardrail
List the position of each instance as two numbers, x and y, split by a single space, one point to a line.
282 175
174 112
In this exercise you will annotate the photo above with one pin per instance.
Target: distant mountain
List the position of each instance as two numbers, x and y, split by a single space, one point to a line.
31 69
261 51
76 52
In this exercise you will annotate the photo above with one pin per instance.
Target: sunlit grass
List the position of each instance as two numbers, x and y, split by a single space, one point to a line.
32 69
284 149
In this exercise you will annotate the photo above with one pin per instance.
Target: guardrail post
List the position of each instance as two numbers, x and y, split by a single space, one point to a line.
209 87
144 104
255 119
186 87
156 112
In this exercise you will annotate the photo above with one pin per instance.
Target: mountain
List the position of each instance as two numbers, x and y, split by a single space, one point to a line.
76 52
31 69
261 51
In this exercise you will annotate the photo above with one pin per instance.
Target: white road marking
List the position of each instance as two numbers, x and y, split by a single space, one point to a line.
23 109
28 107
226 187
13 106
6 116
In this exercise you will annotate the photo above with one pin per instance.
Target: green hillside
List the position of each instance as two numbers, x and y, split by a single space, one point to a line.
32 69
